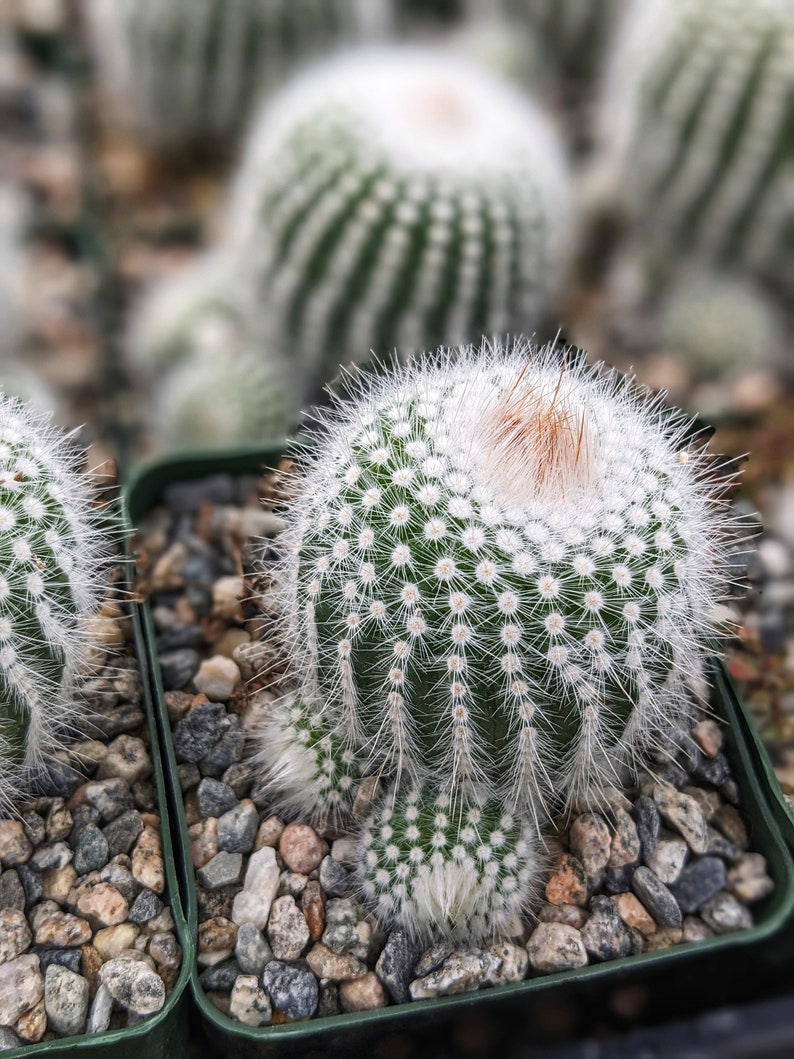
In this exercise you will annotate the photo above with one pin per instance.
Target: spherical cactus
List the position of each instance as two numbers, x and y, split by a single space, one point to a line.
699 120
399 197
498 573
720 323
53 548
183 73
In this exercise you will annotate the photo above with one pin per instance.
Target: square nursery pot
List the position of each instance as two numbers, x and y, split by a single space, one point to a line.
677 981
163 1033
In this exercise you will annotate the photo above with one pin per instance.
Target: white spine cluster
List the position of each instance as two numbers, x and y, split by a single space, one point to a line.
53 554
499 575
699 119
399 197
186 72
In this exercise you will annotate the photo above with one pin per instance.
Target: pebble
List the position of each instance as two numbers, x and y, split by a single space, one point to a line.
248 1002
240 777
313 907
127 757
215 798
634 914
146 906
336 967
269 832
177 668
147 861
217 678
12 893
199 730
52 855
345 930
103 905
708 736
571 915
301 848
293 989
605 935
203 841
226 595
366 993
695 929
59 930
699 881
132 984
668 859
590 841
118 871
112 941
220 977
122 833
723 913
556 947
237 828
287 929
461 972
223 870
91 850
626 846
730 823
21 988
567 884
100 1011
226 752
189 775
15 935
432 958
512 963
15 846
649 823
396 963
335 879
8 1039
35 827
684 814
252 903
748 879
65 1000
251 950
72 959
656 897
32 1026
217 938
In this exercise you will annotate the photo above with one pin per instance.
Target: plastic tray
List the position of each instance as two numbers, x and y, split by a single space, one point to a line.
682 979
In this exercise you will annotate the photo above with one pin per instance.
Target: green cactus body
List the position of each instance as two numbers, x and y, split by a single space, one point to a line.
186 72
700 115
52 549
398 197
498 576
574 31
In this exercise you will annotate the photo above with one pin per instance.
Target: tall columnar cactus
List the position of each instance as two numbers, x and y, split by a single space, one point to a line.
498 574
186 72
53 548
399 198
700 119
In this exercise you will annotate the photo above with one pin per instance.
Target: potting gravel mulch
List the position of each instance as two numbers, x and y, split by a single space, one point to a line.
282 935
87 938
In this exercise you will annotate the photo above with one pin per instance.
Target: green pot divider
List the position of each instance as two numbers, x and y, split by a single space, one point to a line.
681 980
163 1035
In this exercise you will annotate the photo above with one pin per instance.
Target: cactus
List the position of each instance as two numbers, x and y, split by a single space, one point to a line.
720 323
398 197
185 72
53 548
575 32
498 575
699 123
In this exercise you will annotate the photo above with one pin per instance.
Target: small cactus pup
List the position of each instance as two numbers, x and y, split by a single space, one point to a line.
699 127
184 73
498 576
399 197
53 557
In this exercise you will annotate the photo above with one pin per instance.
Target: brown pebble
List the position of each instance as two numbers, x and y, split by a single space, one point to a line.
708 736
301 848
567 885
177 703
313 908
570 915
269 833
634 914
203 841
664 938
90 963
15 846
33 1024
362 994
147 861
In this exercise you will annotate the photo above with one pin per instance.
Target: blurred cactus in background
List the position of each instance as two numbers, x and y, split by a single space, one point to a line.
398 198
574 33
699 126
185 73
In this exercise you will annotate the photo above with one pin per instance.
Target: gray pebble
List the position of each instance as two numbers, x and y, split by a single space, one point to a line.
226 752
133 985
180 634
329 1003
345 930
748 879
90 851
556 947
31 883
8 1039
684 814
618 880
189 775
699 881
82 816
335 879
723 913
215 798
461 972
237 828
223 870
123 832
648 822
70 958
720 846
146 906
432 958
251 950
177 668
52 855
239 776
605 935
199 730
12 895
100 1012
396 963
65 1000
668 859
220 976
62 779
656 897
292 988
287 929
118 872
111 797
35 827
714 770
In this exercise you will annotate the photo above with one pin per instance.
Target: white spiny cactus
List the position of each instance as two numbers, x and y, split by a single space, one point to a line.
699 123
399 198
186 72
498 575
53 554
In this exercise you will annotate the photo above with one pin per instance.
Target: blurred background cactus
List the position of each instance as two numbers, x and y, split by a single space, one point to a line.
498 575
53 553
184 73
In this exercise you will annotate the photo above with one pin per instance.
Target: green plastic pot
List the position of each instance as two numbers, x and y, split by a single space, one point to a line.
680 980
165 1033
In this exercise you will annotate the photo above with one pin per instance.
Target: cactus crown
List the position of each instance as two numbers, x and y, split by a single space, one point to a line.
53 546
